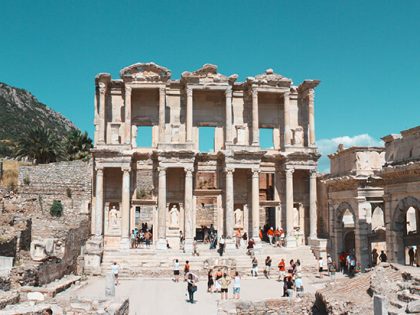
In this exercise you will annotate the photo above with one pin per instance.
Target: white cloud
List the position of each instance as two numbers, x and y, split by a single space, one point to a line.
328 146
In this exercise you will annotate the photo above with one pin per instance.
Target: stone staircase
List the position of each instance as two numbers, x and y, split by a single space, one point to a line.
153 263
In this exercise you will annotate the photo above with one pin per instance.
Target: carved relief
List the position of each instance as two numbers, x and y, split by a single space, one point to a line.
298 136
146 72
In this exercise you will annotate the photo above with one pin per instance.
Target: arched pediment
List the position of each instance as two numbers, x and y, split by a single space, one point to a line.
207 74
147 72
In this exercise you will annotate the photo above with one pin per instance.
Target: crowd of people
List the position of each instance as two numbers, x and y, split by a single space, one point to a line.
142 237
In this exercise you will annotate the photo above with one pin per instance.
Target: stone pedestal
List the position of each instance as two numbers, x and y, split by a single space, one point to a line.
319 247
110 284
93 255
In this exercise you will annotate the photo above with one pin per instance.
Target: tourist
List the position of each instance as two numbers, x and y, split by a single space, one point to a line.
236 286
375 256
224 284
329 262
217 277
176 270
195 250
213 240
289 286
270 235
206 238
181 241
147 238
298 269
282 269
254 269
245 237
411 255
132 239
221 245
267 269
351 264
260 234
210 281
342 260
383 257
285 286
277 237
186 269
299 286
320 266
250 247
291 268
115 269
238 238
191 287
281 237
332 270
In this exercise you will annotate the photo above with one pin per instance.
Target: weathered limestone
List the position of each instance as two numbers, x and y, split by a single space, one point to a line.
179 191
312 205
290 237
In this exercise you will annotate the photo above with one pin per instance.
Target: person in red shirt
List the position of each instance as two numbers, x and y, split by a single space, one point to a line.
282 269
270 234
260 234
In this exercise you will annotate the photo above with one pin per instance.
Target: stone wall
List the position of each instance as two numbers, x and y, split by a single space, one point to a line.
70 182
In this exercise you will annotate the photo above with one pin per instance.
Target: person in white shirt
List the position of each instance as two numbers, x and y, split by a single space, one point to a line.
236 286
320 266
176 270
115 268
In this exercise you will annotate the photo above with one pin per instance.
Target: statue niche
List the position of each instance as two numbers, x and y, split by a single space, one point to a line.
174 216
298 136
112 218
239 221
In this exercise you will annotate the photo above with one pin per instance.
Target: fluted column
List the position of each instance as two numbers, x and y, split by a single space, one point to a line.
189 114
291 240
228 126
312 205
127 109
229 203
255 126
102 104
255 204
287 134
162 101
188 208
162 209
125 214
99 202
311 120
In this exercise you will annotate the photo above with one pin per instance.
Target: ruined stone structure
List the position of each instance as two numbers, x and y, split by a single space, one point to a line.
174 187
401 183
371 199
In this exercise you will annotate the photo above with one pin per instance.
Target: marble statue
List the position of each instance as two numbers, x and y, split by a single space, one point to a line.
238 218
174 216
113 217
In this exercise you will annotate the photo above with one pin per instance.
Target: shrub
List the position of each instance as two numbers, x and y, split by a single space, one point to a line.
56 209
26 180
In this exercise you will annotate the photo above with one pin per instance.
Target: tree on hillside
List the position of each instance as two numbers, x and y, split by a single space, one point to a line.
39 144
78 145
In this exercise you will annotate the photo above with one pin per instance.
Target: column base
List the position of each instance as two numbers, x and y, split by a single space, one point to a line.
291 241
161 244
188 246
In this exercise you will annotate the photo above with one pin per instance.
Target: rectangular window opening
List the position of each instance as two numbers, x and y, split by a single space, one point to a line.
266 138
144 137
206 139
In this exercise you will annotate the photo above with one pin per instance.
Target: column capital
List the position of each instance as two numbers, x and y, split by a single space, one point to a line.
126 168
189 91
286 94
162 90
99 168
228 91
229 170
189 170
254 92
289 171
255 172
162 169
313 172
102 87
128 89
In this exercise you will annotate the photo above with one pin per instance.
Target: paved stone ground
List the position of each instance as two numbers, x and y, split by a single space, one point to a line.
163 296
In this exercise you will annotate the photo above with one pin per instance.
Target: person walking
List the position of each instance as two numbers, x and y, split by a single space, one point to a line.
217 277
195 249
411 255
267 269
191 287
289 286
236 286
375 256
320 266
250 247
329 262
186 269
115 269
176 270
224 284
270 235
332 271
238 238
254 270
282 269
221 245
210 281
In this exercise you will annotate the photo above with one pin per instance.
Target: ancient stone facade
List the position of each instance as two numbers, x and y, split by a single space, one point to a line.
172 185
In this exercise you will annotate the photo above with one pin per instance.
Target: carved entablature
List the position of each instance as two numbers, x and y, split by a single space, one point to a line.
207 74
145 72
308 85
270 79
401 173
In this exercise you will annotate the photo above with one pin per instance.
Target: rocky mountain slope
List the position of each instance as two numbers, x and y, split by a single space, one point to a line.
19 109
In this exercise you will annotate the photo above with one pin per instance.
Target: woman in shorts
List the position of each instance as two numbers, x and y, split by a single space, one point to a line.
176 270
224 284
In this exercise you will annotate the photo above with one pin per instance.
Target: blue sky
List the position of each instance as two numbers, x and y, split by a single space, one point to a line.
366 53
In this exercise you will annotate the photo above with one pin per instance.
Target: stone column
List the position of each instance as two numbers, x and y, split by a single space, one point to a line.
161 244
311 119
312 206
255 121
99 202
228 124
287 134
229 203
290 237
189 114
125 213
127 108
255 204
162 101
188 210
276 187
102 104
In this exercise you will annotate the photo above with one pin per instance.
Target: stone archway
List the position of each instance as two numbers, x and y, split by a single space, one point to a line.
344 227
399 232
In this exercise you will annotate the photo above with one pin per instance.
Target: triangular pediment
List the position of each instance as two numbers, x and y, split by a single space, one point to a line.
207 74
270 78
148 72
